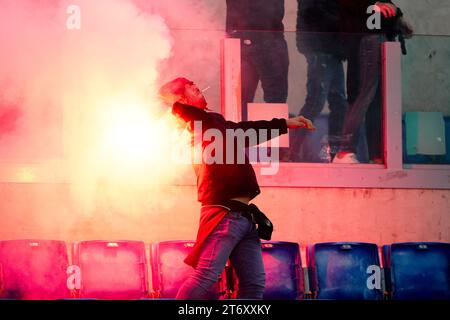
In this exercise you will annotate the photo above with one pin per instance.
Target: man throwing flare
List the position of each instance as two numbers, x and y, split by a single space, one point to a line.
230 227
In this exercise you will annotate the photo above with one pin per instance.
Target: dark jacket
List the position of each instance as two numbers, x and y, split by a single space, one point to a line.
354 17
254 15
217 183
318 27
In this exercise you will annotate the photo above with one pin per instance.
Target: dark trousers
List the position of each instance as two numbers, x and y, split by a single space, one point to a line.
264 58
364 93
325 82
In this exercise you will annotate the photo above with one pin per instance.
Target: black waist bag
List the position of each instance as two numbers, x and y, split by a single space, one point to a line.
264 225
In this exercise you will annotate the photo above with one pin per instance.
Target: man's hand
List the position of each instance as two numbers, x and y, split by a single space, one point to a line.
387 9
300 122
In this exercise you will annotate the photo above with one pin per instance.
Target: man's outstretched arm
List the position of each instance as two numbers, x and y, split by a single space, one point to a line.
275 123
278 124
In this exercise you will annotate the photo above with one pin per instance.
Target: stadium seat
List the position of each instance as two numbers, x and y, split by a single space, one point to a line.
284 273
169 270
112 270
33 270
342 270
418 270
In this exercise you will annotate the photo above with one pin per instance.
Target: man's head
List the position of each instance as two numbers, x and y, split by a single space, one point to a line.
184 91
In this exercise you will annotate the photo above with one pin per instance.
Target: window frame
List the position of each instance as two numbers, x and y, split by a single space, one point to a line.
392 174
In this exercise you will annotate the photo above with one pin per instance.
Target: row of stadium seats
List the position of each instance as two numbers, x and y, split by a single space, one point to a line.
48 269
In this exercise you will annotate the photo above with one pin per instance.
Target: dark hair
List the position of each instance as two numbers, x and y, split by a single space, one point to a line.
175 87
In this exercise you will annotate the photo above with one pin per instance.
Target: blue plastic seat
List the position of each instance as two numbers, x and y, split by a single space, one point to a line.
33 270
169 270
284 273
341 270
418 270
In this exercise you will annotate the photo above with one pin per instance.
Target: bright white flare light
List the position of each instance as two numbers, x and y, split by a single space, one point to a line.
130 136
129 133
131 145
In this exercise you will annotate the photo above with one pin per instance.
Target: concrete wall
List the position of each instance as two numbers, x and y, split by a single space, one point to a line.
306 215
426 76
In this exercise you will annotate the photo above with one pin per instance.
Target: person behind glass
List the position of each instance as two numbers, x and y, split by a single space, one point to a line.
362 47
227 227
318 41
264 52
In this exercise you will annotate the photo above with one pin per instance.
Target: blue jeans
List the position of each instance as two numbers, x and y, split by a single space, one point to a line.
235 237
326 81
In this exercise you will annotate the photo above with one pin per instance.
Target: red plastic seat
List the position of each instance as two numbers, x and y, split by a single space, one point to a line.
169 270
112 270
33 270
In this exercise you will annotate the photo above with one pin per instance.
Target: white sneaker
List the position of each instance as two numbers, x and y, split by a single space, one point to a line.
347 158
